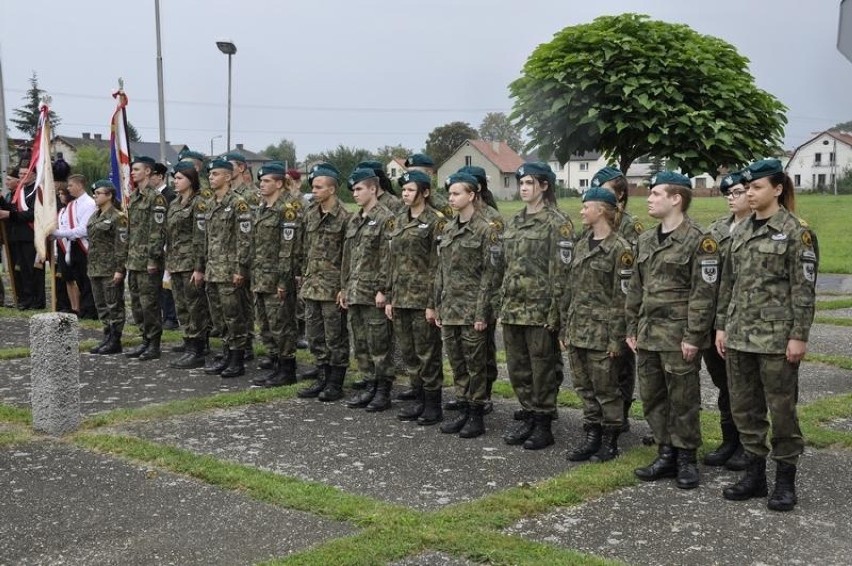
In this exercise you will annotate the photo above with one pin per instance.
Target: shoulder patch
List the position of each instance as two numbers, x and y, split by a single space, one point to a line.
626 259
807 239
122 220
289 213
242 206
160 200
566 230
200 206
803 222
206 193
390 224
708 245
496 225
638 227
439 214
440 226
494 237
447 211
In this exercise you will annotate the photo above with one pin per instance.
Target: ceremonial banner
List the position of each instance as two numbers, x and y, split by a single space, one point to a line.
119 150
45 215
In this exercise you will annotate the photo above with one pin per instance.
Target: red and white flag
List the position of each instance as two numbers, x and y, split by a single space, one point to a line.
119 150
45 201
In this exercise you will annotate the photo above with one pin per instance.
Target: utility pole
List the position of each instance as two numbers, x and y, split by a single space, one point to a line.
4 140
160 86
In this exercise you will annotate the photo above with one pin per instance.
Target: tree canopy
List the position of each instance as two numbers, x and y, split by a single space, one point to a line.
26 117
496 126
444 140
628 86
284 151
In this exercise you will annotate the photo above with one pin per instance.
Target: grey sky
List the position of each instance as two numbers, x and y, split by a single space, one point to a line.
372 72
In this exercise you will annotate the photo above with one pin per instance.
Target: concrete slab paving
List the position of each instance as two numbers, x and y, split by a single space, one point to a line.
657 523
372 453
62 505
829 339
834 283
836 313
16 333
433 559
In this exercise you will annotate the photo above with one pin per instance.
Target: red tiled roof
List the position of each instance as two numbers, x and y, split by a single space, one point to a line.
505 158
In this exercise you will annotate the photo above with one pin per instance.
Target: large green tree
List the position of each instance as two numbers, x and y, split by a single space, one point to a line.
496 126
285 151
444 140
388 152
92 162
26 117
628 86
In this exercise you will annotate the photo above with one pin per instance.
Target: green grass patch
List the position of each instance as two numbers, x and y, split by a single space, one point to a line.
15 415
14 437
832 320
14 353
814 417
841 362
833 304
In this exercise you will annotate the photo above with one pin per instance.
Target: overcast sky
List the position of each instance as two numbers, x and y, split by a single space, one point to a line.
368 73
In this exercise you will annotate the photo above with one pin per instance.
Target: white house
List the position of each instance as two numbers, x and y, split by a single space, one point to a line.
395 168
498 159
820 160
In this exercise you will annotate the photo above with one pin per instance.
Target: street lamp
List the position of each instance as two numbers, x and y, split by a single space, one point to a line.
211 143
228 48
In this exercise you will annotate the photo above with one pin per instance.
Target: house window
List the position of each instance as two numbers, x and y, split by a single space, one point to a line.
584 183
393 173
797 180
700 183
831 158
468 161
505 181
555 166
821 180
584 166
817 159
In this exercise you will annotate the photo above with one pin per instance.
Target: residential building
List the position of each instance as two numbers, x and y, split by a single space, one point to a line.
818 162
498 159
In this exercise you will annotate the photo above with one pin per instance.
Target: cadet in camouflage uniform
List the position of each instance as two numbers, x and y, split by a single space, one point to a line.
594 325
364 280
227 264
468 254
277 244
424 163
185 238
670 305
538 245
411 297
629 228
765 312
107 233
146 215
197 159
386 195
326 221
730 453
293 190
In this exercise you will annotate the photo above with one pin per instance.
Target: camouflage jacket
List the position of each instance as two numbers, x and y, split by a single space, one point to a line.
107 233
537 252
366 253
249 193
323 252
292 235
185 234
767 292
468 255
672 293
392 202
414 259
594 316
267 230
227 248
497 223
146 215
630 228
441 204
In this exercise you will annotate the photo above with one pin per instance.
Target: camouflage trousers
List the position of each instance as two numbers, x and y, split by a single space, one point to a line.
420 346
491 354
716 367
596 381
531 358
327 333
144 290
109 302
230 313
248 301
276 320
671 397
467 352
191 304
372 342
762 383
625 364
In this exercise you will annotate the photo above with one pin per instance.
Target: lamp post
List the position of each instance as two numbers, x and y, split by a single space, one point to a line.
228 48
211 143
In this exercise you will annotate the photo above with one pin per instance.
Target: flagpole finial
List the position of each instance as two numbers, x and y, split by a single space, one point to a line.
46 99
120 83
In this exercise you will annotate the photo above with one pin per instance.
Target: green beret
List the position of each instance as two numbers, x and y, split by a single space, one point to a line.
414 177
762 168
670 178
103 183
606 174
234 156
271 168
319 171
276 162
463 178
182 166
326 165
360 174
535 168
144 159
374 165
600 194
189 154
730 180
419 160
220 163
477 172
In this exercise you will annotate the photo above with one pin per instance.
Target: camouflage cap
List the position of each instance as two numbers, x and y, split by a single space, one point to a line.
670 178
762 168
220 164
414 177
606 174
419 160
600 194
730 180
360 174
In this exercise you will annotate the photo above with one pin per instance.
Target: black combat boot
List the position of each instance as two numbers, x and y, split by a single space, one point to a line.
301 341
113 346
152 352
432 413
730 443
455 404
521 431
194 356
609 446
488 407
752 483
312 373
96 349
590 445
475 425
313 390
687 469
260 381
219 362
333 389
413 393
663 466
455 425
625 424
413 411
783 497
382 399
286 374
236 365
180 348
138 350
362 398
737 462
266 361
542 435
366 382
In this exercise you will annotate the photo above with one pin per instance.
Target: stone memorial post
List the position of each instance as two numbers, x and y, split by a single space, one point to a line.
55 367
